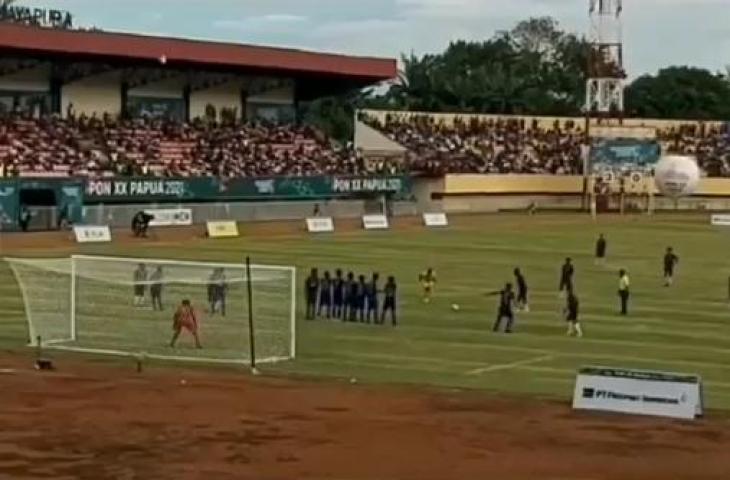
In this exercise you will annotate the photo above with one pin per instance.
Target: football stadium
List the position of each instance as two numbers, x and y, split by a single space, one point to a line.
221 260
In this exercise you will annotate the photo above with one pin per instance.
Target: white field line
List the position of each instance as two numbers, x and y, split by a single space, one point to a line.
592 356
510 366
421 364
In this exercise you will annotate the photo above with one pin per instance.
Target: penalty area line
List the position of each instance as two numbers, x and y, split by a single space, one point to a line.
509 366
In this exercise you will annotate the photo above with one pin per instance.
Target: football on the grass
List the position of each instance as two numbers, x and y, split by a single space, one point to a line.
455 307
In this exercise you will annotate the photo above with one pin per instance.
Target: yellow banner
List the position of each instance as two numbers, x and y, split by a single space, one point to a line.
227 229
513 184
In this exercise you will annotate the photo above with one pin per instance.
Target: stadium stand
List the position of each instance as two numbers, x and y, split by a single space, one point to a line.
106 146
485 145
711 146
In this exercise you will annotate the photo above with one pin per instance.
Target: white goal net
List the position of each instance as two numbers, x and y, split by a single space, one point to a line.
125 306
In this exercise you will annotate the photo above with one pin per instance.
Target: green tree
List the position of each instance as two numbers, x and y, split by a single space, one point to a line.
680 92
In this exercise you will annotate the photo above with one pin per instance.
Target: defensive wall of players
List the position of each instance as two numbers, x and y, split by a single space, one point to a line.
115 201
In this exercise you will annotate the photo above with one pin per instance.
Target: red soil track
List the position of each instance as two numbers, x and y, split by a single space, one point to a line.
101 421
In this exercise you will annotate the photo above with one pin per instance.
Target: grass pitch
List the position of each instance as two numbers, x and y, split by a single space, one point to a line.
685 328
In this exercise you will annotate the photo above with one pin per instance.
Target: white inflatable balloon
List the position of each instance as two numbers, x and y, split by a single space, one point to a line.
677 175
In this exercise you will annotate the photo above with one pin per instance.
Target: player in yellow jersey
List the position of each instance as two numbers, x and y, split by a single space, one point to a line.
428 281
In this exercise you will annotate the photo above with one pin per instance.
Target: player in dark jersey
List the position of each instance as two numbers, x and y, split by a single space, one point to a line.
338 294
566 276
670 261
311 285
505 309
521 303
360 291
601 246
350 288
371 299
139 280
220 291
389 296
571 315
156 289
325 295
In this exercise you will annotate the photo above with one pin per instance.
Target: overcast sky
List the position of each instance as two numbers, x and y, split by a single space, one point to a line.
656 32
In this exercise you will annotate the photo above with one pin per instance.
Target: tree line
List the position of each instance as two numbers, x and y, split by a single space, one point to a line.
534 69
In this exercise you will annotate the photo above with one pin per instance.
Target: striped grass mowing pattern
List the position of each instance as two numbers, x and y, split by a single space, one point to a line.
685 328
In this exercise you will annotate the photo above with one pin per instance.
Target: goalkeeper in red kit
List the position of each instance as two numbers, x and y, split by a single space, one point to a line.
185 318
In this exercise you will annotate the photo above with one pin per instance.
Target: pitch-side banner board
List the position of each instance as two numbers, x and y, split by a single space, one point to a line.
222 229
140 190
638 392
721 220
169 217
375 222
320 225
435 220
92 233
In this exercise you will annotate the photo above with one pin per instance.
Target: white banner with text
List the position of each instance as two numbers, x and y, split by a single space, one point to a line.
435 220
721 220
168 217
320 225
375 222
638 392
92 233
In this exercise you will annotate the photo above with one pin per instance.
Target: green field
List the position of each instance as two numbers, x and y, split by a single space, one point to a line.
685 328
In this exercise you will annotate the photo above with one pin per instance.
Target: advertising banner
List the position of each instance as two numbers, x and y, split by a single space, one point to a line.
624 154
141 190
222 229
638 392
168 217
435 220
92 233
721 220
320 225
375 222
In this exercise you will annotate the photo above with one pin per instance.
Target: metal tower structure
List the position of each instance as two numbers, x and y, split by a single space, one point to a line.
606 74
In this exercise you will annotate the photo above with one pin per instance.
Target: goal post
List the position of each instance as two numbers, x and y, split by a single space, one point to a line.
99 304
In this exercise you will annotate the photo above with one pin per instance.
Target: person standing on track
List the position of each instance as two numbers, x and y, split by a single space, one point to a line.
623 291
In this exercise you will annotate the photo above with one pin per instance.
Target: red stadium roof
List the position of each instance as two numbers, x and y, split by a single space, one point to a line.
112 46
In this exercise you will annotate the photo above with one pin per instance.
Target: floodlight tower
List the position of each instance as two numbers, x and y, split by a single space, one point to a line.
606 74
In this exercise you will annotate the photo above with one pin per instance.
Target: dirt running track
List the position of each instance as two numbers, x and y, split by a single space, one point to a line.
100 421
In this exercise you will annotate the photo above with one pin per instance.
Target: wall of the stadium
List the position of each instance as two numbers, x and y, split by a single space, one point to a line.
512 184
283 96
97 94
31 80
121 215
168 88
223 96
